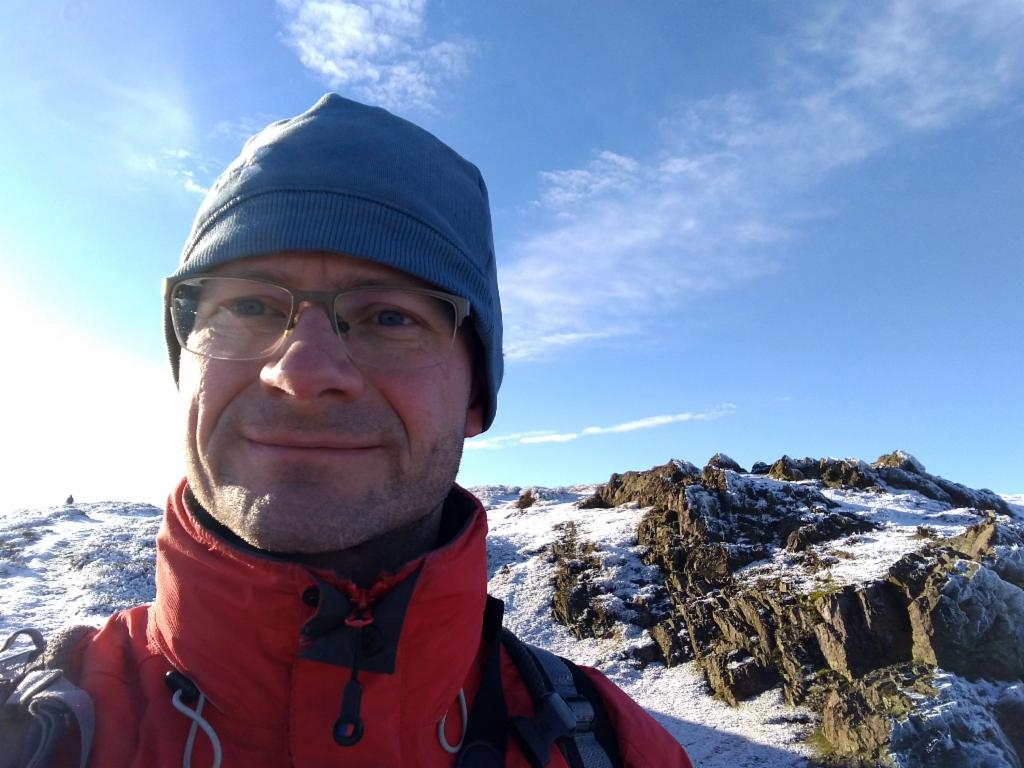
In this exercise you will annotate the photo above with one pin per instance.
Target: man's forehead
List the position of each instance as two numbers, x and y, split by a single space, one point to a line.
320 269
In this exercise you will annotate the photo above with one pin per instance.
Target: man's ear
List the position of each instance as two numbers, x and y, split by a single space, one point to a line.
475 419
477 396
475 412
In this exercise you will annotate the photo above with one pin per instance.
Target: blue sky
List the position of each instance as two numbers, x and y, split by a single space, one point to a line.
751 227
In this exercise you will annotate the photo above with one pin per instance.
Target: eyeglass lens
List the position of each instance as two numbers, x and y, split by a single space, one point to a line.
237 319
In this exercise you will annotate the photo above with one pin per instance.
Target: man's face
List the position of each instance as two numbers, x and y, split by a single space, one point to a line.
302 451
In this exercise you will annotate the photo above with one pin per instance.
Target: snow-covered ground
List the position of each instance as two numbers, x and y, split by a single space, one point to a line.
75 564
904 519
78 563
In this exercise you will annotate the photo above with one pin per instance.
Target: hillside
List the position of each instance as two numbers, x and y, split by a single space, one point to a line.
808 608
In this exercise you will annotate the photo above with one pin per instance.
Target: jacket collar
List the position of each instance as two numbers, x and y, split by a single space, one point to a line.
237 621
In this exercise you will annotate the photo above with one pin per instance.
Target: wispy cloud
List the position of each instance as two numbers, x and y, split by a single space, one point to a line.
551 436
624 240
242 128
146 130
659 421
376 49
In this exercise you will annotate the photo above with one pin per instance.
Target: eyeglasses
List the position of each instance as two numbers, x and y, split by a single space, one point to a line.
385 327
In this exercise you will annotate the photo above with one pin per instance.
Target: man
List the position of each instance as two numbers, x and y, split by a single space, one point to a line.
335 331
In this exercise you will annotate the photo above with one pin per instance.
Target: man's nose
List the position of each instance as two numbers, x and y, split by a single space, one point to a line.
312 361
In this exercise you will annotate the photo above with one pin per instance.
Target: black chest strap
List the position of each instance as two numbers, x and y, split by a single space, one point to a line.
486 733
569 712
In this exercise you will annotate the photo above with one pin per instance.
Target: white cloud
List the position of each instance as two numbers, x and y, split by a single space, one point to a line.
147 131
191 186
608 172
923 64
658 421
559 437
501 441
630 239
376 49
550 436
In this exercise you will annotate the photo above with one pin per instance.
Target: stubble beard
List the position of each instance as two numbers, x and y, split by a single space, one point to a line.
310 509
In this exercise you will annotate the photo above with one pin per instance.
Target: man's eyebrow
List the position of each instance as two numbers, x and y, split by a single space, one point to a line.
254 274
343 283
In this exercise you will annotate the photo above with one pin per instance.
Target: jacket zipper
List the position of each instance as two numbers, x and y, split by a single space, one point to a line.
348 728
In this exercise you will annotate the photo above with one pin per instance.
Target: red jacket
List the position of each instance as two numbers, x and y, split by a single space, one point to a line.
233 620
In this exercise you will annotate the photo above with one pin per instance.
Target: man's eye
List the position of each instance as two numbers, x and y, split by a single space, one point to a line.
392 318
249 307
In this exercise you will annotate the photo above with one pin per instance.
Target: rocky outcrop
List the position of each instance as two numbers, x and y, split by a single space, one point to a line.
658 487
858 715
842 473
721 461
892 471
970 622
863 628
526 499
704 525
901 471
961 725
861 654
671 639
576 600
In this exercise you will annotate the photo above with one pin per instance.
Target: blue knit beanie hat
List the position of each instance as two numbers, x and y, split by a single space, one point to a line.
356 180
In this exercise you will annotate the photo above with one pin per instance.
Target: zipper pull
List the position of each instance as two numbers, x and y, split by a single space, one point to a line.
348 728
362 613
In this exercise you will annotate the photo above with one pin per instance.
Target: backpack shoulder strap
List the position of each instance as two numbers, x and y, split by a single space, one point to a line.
569 710
38 703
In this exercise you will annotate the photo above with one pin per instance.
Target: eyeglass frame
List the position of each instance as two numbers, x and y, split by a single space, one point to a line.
325 299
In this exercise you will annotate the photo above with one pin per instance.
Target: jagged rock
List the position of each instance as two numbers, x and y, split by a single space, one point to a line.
736 676
794 469
899 460
977 725
648 609
863 629
800 661
910 573
593 502
911 476
721 461
699 616
729 507
852 727
846 473
970 623
857 717
711 564
705 524
1010 567
658 487
645 653
668 635
764 622
576 600
826 528
980 539
834 473
526 499
897 470
760 468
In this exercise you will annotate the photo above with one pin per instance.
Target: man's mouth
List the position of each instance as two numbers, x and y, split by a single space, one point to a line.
311 442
